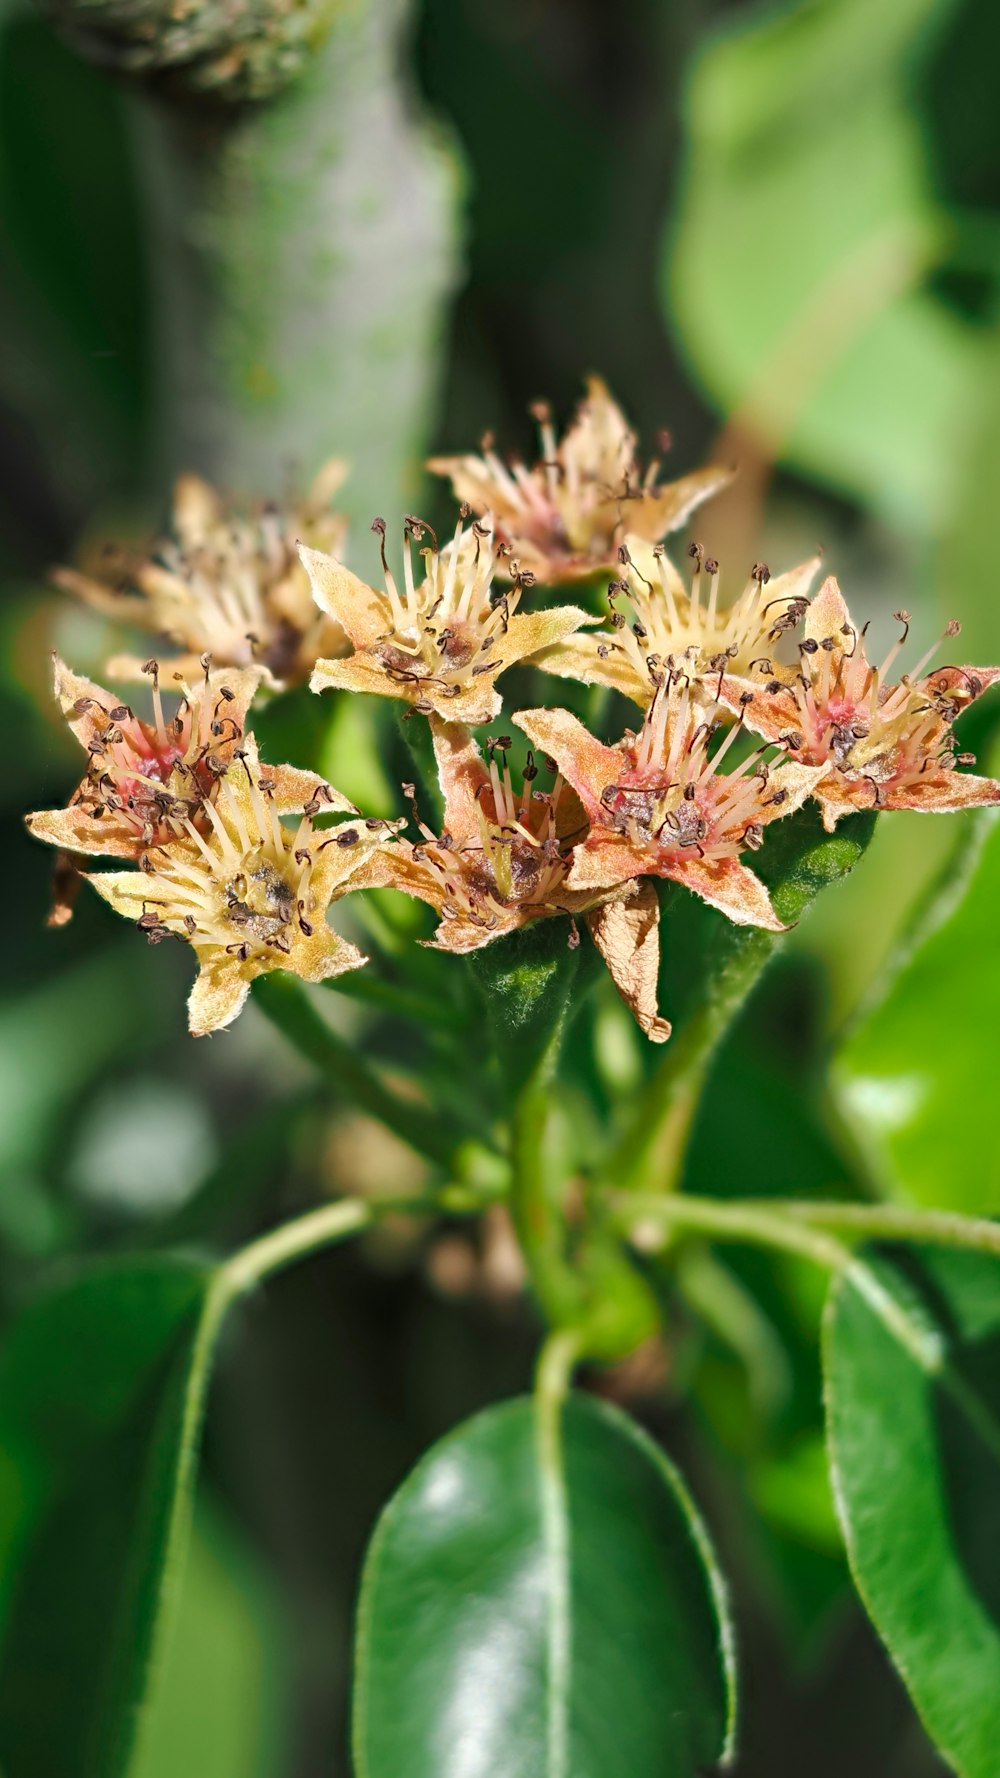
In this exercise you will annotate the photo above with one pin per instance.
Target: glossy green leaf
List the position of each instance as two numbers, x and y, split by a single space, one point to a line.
912 1360
915 1076
101 1392
549 1613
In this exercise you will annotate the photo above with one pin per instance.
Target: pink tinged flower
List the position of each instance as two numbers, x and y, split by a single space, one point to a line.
501 861
877 744
659 625
251 894
660 803
564 518
438 642
227 582
145 779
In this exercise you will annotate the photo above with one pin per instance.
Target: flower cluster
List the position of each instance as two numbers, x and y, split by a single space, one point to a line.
749 707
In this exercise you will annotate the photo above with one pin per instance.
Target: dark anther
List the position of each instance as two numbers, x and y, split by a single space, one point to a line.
530 768
348 838
152 668
761 573
711 565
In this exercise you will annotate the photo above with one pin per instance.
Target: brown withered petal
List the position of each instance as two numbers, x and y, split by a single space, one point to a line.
627 934
564 518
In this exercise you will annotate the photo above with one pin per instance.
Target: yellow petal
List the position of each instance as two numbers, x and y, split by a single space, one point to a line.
361 611
324 955
660 510
197 510
71 688
293 789
581 657
220 991
126 890
627 934
529 631
76 830
788 787
828 615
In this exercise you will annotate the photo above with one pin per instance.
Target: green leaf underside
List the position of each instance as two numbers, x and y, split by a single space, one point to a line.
915 1449
915 1076
560 1624
100 1400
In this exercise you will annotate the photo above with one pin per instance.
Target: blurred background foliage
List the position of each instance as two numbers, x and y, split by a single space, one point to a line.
774 231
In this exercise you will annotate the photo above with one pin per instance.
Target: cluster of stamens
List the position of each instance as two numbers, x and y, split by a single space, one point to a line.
520 860
444 629
851 716
663 630
672 795
158 777
244 884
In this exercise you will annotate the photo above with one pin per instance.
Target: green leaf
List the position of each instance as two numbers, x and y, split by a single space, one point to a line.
101 1395
527 981
915 1077
715 965
912 1360
222 1698
807 225
102 1389
545 1612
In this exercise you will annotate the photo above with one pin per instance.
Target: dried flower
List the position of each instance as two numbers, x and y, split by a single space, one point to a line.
501 861
564 519
660 805
876 744
145 781
227 583
251 895
658 626
442 642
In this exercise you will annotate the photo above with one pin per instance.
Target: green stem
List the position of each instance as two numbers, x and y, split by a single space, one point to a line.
896 1222
555 1366
294 1240
288 1006
789 1226
538 1220
800 1220
654 1220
